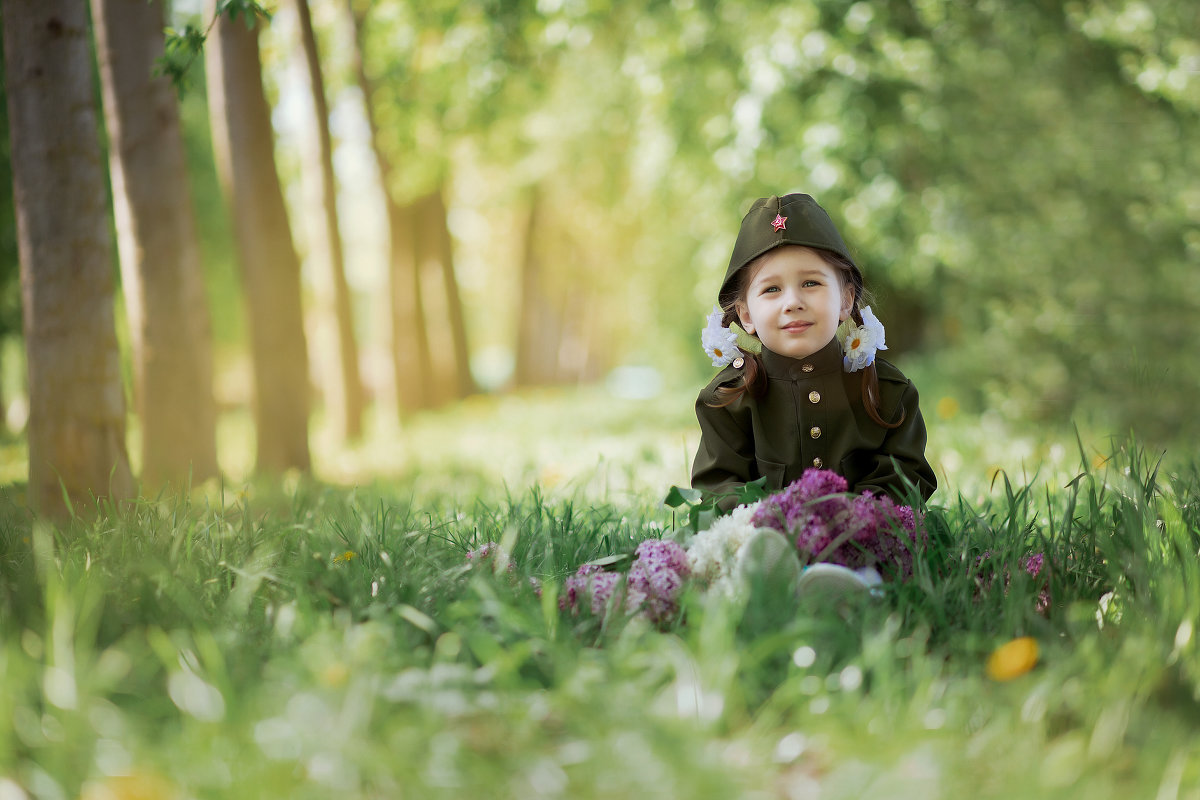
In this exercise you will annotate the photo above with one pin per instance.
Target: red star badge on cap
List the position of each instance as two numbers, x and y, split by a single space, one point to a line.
779 223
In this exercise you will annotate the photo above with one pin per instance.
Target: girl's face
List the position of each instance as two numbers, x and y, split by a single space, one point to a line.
794 301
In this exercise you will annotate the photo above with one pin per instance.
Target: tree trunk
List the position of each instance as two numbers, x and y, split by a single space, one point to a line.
538 327
435 257
411 355
159 252
348 389
411 358
428 257
243 143
76 398
464 384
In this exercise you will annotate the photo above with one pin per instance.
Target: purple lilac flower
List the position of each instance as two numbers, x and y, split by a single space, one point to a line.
827 524
579 584
590 587
485 550
1032 564
604 584
656 578
652 586
488 552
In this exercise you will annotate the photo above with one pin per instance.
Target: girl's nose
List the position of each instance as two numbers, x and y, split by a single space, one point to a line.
794 300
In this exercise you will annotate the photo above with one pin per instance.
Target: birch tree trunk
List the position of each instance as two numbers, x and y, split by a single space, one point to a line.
77 401
464 384
411 358
243 143
159 252
427 257
539 329
348 400
435 255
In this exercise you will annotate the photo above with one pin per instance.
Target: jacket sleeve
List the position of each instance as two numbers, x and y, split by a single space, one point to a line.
725 458
901 459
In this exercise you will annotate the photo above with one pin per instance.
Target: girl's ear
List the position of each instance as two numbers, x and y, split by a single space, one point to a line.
847 302
744 317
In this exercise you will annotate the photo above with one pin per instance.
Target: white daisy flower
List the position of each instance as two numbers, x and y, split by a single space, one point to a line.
720 343
872 323
862 342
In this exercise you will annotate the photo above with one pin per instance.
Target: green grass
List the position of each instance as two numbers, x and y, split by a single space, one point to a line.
311 640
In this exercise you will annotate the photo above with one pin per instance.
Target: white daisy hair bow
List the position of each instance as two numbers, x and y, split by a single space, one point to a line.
720 343
726 345
860 342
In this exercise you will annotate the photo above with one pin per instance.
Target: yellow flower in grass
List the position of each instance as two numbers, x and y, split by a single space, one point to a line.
335 675
947 408
1013 659
137 786
344 557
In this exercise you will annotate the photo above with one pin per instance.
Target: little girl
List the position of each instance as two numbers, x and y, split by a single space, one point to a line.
794 394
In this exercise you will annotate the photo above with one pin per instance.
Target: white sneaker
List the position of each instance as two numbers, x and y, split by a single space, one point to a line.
834 580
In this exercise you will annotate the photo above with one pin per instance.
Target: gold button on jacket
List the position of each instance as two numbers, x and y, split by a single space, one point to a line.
785 431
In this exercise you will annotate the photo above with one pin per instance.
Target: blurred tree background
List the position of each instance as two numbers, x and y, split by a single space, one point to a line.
538 192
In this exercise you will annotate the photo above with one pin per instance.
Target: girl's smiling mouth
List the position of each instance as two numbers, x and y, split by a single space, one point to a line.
797 327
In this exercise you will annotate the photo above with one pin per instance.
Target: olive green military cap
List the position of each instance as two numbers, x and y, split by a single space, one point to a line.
774 221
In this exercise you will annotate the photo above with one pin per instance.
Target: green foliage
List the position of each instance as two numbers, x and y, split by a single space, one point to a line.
702 506
251 10
1016 179
182 47
326 640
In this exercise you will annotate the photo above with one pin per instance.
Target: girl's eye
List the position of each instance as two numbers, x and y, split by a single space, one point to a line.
808 284
770 289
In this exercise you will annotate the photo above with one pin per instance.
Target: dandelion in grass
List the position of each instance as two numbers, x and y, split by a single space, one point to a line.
1013 659
335 675
136 785
345 557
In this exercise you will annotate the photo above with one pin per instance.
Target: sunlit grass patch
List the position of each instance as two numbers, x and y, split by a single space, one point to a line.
301 639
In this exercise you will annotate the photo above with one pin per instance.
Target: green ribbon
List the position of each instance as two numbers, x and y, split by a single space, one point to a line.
746 342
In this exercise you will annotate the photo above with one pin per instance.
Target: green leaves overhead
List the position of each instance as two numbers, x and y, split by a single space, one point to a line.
1017 179
183 47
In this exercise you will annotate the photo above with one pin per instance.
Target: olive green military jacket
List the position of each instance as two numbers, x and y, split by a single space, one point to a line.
812 415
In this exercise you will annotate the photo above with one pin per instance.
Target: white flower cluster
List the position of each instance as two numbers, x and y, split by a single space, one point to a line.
861 342
713 554
732 555
720 343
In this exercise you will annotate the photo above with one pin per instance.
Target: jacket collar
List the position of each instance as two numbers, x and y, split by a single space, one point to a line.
826 360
